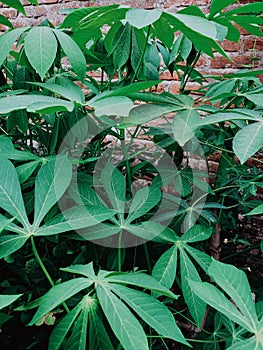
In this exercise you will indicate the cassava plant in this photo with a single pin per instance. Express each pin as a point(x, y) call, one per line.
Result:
point(108, 229)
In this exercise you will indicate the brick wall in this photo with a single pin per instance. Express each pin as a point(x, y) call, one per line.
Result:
point(248, 52)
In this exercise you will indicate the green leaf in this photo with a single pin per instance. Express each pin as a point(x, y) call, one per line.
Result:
point(16, 4)
point(255, 98)
point(33, 103)
point(248, 141)
point(62, 328)
point(212, 296)
point(152, 311)
point(195, 305)
point(204, 260)
point(197, 233)
point(68, 90)
point(256, 7)
point(24, 171)
point(57, 294)
point(7, 40)
point(4, 21)
point(182, 125)
point(122, 52)
point(234, 282)
point(256, 211)
point(76, 218)
point(10, 192)
point(51, 182)
point(143, 201)
point(41, 49)
point(165, 268)
point(164, 32)
point(124, 325)
point(140, 18)
point(147, 112)
point(86, 270)
point(78, 338)
point(4, 222)
point(142, 280)
point(6, 300)
point(218, 5)
point(100, 339)
point(115, 105)
point(11, 243)
point(73, 52)
point(247, 344)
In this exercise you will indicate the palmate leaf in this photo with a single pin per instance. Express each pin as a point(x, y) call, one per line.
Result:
point(123, 323)
point(11, 243)
point(78, 338)
point(59, 293)
point(196, 306)
point(182, 125)
point(197, 233)
point(41, 49)
point(113, 105)
point(247, 344)
point(140, 18)
point(152, 311)
point(248, 141)
point(51, 182)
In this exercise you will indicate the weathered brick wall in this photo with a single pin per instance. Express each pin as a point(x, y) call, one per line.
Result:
point(248, 52)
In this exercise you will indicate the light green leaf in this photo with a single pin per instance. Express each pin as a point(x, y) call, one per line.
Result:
point(140, 18)
point(6, 300)
point(86, 270)
point(234, 282)
point(204, 260)
point(76, 218)
point(148, 230)
point(7, 40)
point(100, 339)
point(248, 141)
point(196, 306)
point(147, 112)
point(11, 243)
point(152, 311)
point(73, 52)
point(182, 125)
point(113, 105)
point(197, 233)
point(255, 98)
point(165, 268)
point(144, 200)
point(24, 171)
point(212, 296)
point(33, 103)
point(62, 328)
point(68, 90)
point(99, 231)
point(257, 211)
point(247, 344)
point(41, 49)
point(10, 192)
point(51, 182)
point(142, 280)
point(59, 293)
point(6, 144)
point(124, 325)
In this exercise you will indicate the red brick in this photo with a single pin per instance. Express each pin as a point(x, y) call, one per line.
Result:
point(230, 45)
point(251, 44)
point(238, 62)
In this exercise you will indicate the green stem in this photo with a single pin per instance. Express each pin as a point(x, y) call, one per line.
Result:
point(142, 55)
point(127, 163)
point(119, 252)
point(43, 268)
point(149, 266)
point(189, 71)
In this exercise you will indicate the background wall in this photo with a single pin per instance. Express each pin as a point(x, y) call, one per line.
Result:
point(248, 52)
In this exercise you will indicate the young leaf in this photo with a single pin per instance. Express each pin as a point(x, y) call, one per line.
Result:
point(123, 323)
point(248, 141)
point(59, 293)
point(41, 49)
point(152, 311)
point(73, 52)
point(195, 305)
point(6, 300)
point(10, 192)
point(51, 182)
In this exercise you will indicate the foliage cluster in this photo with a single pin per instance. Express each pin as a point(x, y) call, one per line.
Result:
point(91, 260)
